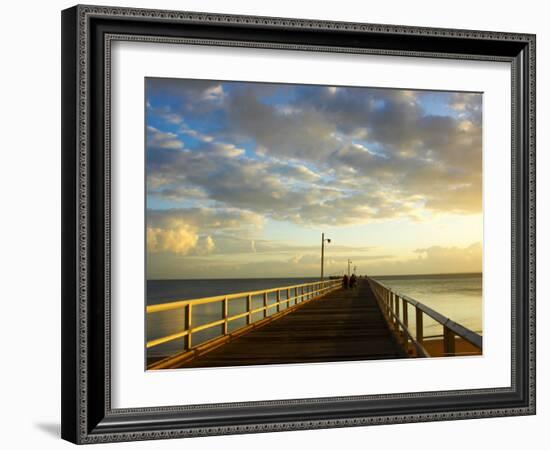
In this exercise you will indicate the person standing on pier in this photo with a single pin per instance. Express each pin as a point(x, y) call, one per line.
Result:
point(345, 282)
point(352, 281)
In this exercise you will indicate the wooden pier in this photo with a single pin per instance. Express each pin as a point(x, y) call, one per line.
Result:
point(315, 322)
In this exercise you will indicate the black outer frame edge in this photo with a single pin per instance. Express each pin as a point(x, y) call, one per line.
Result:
point(97, 407)
point(98, 422)
point(524, 112)
point(319, 37)
point(69, 170)
point(254, 415)
point(520, 158)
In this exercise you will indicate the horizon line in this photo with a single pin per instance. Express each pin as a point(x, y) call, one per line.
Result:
point(328, 276)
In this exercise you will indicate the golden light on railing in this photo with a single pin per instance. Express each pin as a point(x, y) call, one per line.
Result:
point(289, 296)
point(389, 302)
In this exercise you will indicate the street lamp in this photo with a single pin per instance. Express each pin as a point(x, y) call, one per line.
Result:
point(349, 265)
point(323, 254)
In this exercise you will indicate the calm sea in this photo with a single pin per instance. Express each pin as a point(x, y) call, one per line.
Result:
point(458, 296)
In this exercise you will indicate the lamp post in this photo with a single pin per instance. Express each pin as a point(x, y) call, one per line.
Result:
point(349, 266)
point(323, 254)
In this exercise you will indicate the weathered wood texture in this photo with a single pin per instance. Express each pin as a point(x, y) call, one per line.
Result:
point(345, 325)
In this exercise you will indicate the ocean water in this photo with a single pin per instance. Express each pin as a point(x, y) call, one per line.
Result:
point(170, 322)
point(457, 296)
point(161, 291)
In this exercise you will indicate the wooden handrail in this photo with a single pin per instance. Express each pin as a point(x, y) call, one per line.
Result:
point(302, 293)
point(176, 304)
point(385, 295)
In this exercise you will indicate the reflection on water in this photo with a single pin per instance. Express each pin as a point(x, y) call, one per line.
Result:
point(456, 296)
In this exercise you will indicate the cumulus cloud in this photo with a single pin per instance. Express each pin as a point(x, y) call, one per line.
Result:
point(205, 219)
point(291, 192)
point(227, 157)
point(468, 105)
point(213, 93)
point(451, 257)
point(205, 246)
point(324, 153)
point(434, 259)
point(177, 193)
point(193, 95)
point(162, 140)
point(190, 231)
point(186, 129)
point(179, 239)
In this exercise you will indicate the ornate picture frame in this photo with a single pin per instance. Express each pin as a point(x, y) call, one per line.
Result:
point(88, 33)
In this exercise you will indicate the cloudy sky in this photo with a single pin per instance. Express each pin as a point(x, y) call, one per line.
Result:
point(242, 179)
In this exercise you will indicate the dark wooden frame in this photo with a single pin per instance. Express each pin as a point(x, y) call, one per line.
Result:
point(87, 416)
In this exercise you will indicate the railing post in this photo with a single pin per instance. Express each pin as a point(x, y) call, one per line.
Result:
point(249, 309)
point(278, 301)
point(449, 348)
point(225, 315)
point(419, 326)
point(189, 325)
point(288, 298)
point(392, 308)
point(396, 298)
point(295, 295)
point(405, 313)
point(302, 298)
point(265, 304)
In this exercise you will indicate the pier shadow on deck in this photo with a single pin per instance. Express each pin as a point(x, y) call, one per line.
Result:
point(345, 325)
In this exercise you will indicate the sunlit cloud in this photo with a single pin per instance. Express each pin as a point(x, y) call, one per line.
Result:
point(163, 140)
point(435, 259)
point(307, 156)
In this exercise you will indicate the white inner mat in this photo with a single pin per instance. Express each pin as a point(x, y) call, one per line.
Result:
point(132, 386)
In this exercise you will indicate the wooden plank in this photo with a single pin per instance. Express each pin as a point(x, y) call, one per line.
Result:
point(344, 325)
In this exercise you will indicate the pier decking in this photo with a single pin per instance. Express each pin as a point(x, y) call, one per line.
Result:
point(314, 322)
point(346, 324)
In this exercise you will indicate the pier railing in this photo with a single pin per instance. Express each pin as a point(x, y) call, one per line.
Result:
point(287, 299)
point(394, 306)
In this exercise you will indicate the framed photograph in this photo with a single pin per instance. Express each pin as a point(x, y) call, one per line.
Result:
point(280, 224)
